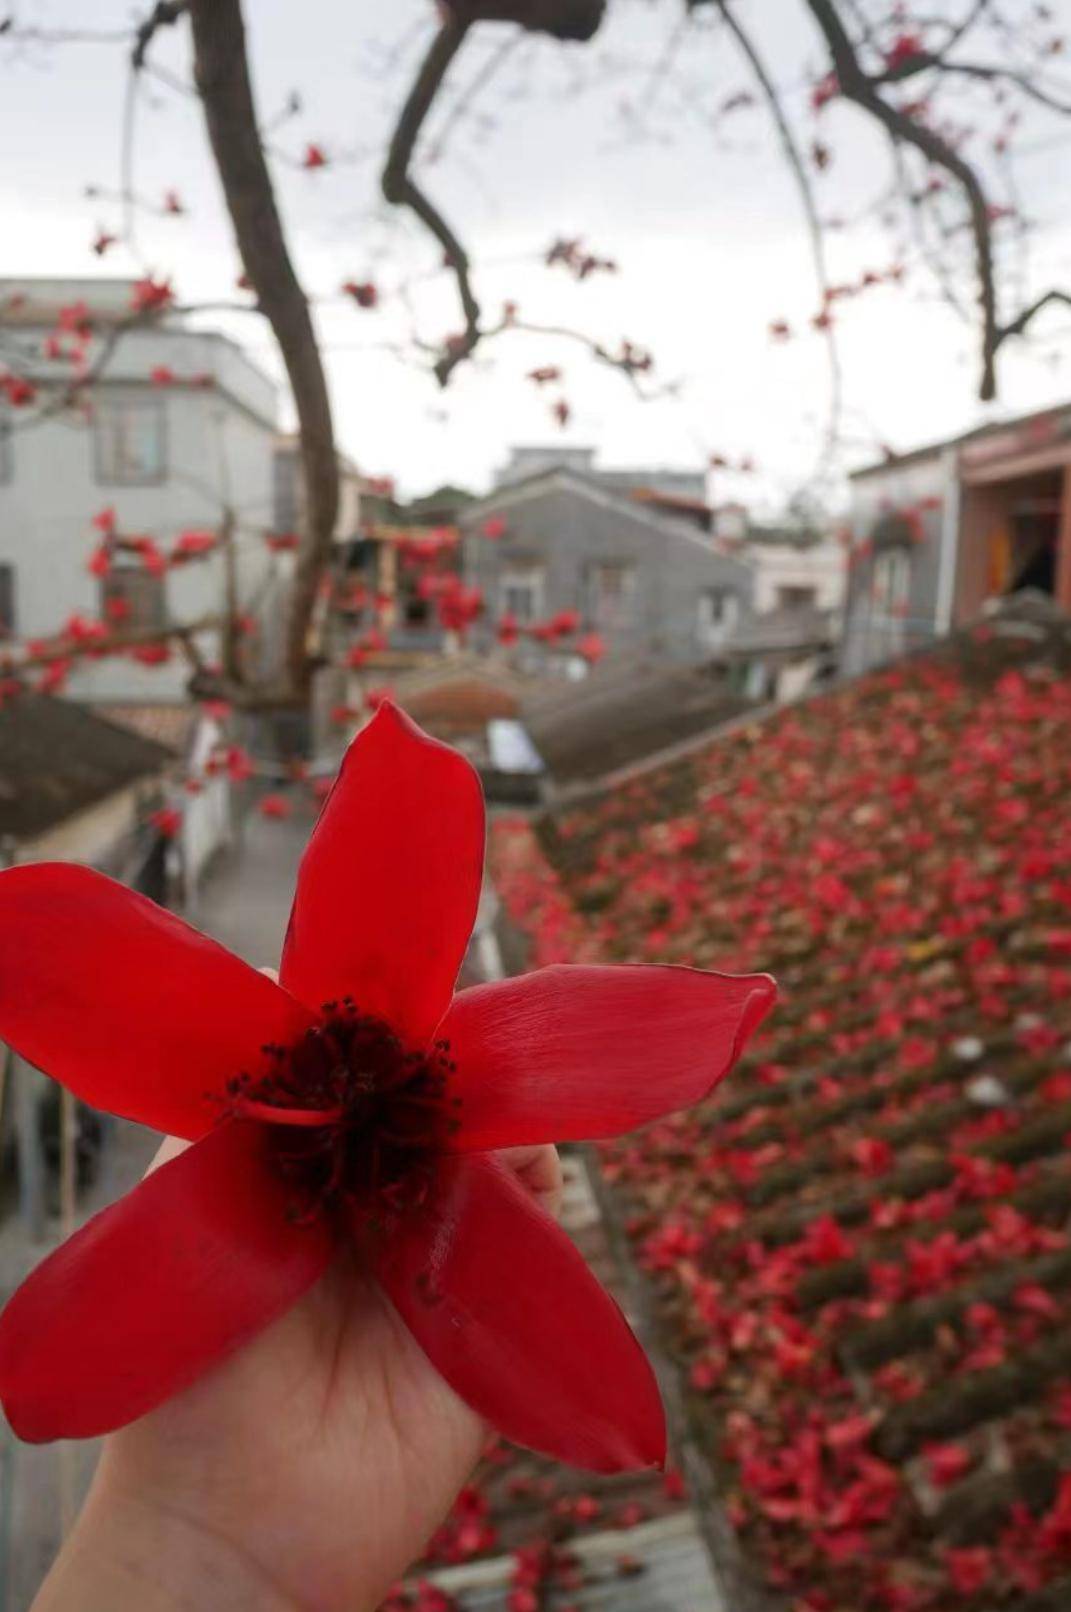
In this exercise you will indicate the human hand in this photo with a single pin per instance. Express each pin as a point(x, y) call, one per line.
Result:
point(303, 1474)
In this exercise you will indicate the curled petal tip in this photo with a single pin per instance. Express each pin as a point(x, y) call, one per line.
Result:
point(759, 1002)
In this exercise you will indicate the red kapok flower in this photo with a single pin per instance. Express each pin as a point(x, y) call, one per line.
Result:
point(354, 1105)
point(167, 821)
point(275, 806)
point(592, 647)
point(365, 293)
point(151, 296)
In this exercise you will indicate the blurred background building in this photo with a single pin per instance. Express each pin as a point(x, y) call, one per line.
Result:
point(179, 429)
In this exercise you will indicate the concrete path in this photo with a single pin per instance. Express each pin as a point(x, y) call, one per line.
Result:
point(245, 903)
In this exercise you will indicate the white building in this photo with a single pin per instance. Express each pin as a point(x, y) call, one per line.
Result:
point(180, 425)
point(795, 568)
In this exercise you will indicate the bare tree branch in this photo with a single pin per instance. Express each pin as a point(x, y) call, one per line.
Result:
point(563, 19)
point(401, 190)
point(163, 15)
point(61, 647)
point(798, 168)
point(631, 362)
point(927, 60)
point(1018, 325)
point(856, 85)
point(221, 72)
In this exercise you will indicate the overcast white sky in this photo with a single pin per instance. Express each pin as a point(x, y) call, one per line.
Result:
point(703, 220)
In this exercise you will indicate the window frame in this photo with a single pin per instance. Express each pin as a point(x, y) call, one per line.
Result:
point(714, 629)
point(7, 448)
point(891, 585)
point(523, 576)
point(110, 475)
point(604, 619)
point(810, 602)
point(9, 578)
point(154, 586)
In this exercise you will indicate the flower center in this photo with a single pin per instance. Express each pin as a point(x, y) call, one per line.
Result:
point(355, 1117)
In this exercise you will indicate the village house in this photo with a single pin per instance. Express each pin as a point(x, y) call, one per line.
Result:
point(797, 565)
point(939, 535)
point(571, 542)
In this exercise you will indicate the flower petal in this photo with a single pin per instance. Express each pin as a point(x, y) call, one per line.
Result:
point(389, 885)
point(574, 1053)
point(507, 1311)
point(155, 1290)
point(124, 1003)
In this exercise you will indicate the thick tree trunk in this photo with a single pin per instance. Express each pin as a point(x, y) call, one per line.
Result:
point(564, 19)
point(221, 71)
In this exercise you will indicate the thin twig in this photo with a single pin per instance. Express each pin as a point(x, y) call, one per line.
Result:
point(815, 232)
point(401, 190)
point(857, 86)
point(1019, 324)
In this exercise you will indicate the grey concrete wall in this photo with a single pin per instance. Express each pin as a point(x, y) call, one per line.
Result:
point(567, 534)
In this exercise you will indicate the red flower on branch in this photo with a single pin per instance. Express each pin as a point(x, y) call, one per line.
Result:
point(167, 821)
point(191, 545)
point(365, 293)
point(18, 390)
point(277, 806)
point(905, 48)
point(354, 1106)
point(151, 296)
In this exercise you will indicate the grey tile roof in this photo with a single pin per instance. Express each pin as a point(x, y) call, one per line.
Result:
point(57, 758)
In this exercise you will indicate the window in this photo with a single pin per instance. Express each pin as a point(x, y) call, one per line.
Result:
point(612, 589)
point(287, 513)
point(130, 596)
point(718, 611)
point(522, 594)
point(796, 597)
point(128, 441)
point(7, 599)
point(889, 603)
point(892, 582)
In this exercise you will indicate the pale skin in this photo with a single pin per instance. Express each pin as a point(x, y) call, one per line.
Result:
point(304, 1474)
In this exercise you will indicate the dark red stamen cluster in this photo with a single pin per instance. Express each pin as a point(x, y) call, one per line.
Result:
point(356, 1118)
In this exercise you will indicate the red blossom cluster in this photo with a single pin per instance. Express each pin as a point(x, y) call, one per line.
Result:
point(574, 256)
point(151, 296)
